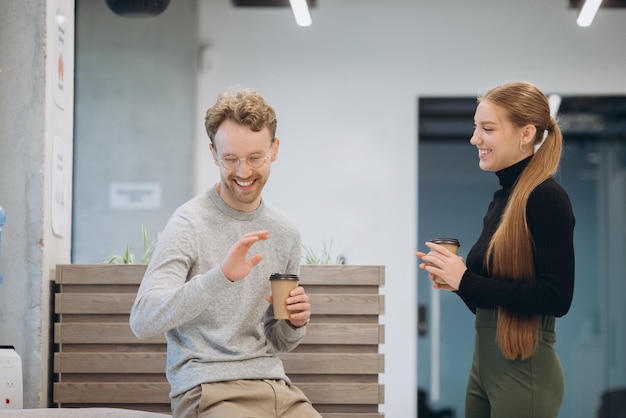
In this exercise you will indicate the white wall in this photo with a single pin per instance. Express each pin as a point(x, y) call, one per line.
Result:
point(346, 89)
point(135, 101)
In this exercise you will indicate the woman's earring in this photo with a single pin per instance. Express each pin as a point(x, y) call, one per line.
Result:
point(522, 148)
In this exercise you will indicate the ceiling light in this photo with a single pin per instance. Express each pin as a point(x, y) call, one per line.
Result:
point(588, 12)
point(301, 12)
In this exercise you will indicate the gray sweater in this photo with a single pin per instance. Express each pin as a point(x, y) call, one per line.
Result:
point(217, 330)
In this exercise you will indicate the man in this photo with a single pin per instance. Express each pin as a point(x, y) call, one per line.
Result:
point(210, 298)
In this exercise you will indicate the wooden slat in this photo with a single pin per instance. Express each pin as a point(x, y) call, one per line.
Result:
point(121, 303)
point(132, 274)
point(93, 303)
point(99, 333)
point(96, 410)
point(341, 304)
point(120, 333)
point(333, 363)
point(363, 334)
point(107, 362)
point(154, 392)
point(154, 362)
point(342, 275)
point(343, 393)
point(118, 392)
point(96, 274)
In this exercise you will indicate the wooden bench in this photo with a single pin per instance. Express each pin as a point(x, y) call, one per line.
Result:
point(98, 362)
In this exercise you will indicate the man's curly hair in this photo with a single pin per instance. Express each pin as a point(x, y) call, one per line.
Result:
point(245, 107)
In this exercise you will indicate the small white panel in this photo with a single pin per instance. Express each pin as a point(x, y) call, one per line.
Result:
point(11, 391)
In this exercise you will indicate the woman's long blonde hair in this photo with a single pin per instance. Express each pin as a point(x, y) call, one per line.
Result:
point(510, 252)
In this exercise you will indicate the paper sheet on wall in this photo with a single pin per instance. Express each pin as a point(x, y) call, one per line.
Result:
point(60, 92)
point(60, 187)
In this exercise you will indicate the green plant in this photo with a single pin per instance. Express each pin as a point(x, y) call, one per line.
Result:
point(310, 256)
point(128, 257)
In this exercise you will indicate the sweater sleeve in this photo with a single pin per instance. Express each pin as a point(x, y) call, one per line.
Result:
point(551, 223)
point(166, 297)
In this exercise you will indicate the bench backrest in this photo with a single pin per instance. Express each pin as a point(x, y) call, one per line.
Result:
point(98, 361)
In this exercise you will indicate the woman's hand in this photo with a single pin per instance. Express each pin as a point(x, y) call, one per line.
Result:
point(443, 263)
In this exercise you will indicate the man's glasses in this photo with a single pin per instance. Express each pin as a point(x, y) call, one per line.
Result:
point(230, 162)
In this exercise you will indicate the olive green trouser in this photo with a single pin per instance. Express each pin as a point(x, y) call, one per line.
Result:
point(501, 388)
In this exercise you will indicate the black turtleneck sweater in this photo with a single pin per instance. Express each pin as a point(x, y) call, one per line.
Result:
point(551, 223)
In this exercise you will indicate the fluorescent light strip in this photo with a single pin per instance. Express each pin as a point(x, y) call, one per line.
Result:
point(588, 12)
point(301, 12)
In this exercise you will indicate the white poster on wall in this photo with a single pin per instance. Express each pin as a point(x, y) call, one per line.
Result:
point(60, 55)
point(60, 187)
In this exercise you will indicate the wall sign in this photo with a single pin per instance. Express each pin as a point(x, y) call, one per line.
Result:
point(60, 55)
point(135, 195)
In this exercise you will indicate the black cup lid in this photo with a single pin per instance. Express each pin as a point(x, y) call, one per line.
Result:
point(452, 241)
point(281, 276)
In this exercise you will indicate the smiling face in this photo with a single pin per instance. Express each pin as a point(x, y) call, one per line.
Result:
point(500, 144)
point(240, 188)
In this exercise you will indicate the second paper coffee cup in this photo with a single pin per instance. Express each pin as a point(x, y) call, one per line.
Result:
point(282, 284)
point(451, 244)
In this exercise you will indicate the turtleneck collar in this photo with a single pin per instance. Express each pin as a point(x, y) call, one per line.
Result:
point(508, 176)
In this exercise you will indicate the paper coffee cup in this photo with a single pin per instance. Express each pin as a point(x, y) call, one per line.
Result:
point(451, 244)
point(282, 284)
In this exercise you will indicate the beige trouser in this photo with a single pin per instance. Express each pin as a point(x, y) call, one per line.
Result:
point(244, 399)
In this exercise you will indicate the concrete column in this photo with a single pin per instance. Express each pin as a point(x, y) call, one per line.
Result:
point(36, 145)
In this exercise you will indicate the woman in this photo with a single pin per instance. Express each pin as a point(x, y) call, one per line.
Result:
point(519, 275)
